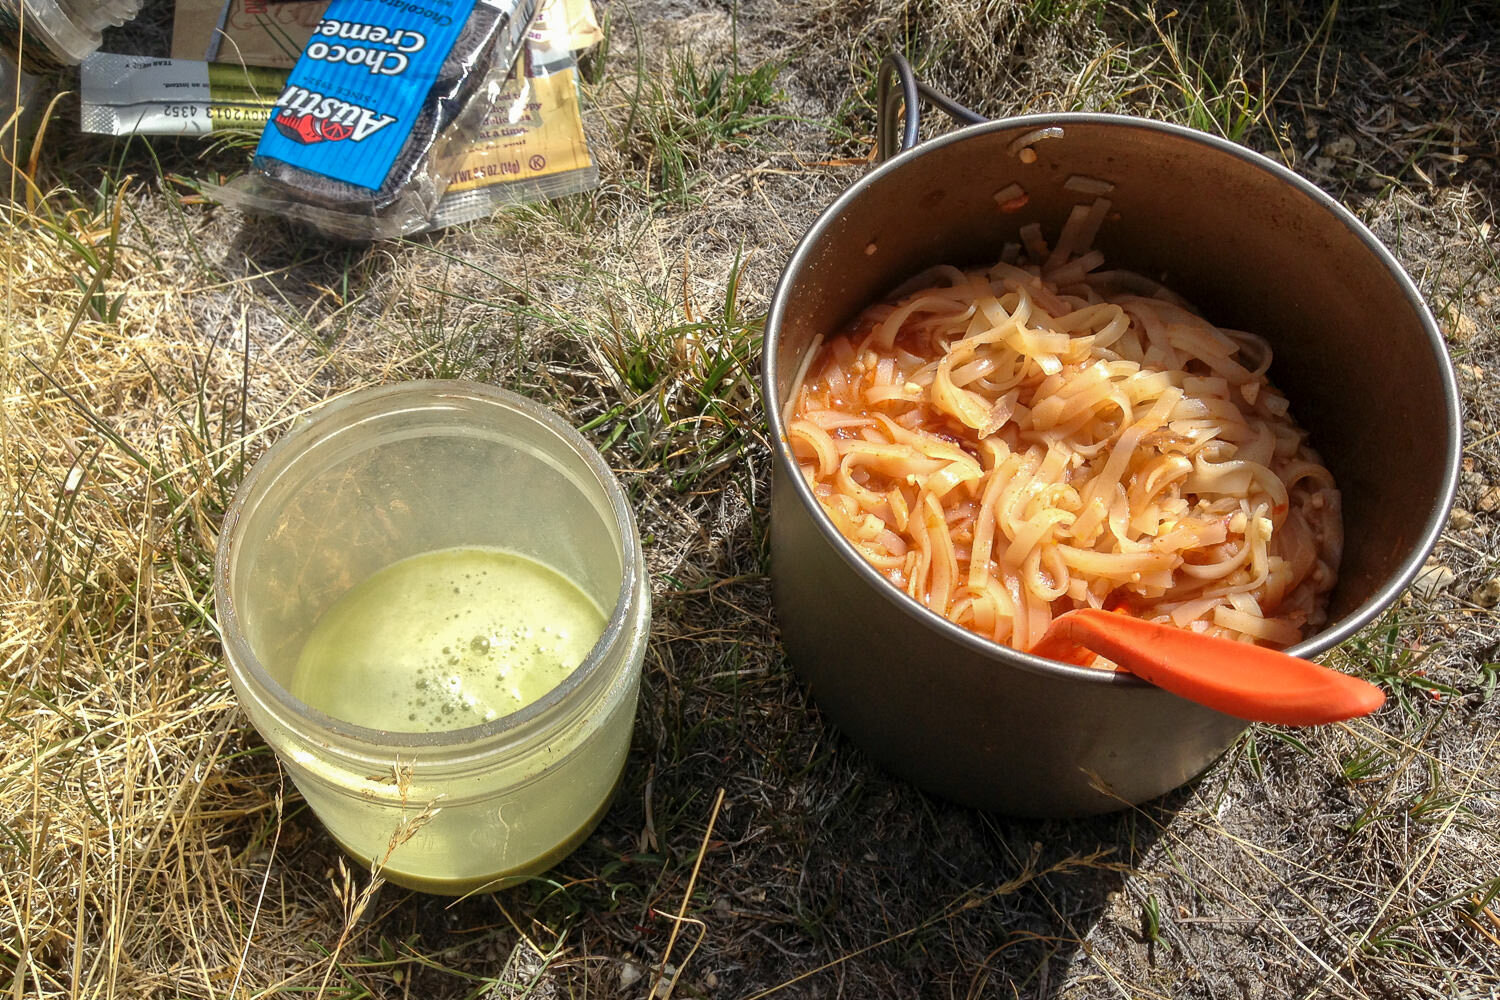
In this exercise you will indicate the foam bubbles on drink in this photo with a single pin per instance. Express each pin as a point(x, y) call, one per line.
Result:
point(446, 640)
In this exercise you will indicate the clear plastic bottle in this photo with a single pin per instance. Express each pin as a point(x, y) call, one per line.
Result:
point(44, 33)
point(16, 90)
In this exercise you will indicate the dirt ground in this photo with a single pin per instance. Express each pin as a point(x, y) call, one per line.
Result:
point(150, 844)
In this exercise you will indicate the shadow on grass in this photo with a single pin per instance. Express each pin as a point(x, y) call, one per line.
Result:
point(867, 888)
point(818, 875)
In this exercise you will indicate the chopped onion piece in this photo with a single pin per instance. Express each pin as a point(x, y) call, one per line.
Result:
point(1087, 185)
point(1009, 193)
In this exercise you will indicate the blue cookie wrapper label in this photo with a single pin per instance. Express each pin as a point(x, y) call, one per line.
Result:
point(359, 86)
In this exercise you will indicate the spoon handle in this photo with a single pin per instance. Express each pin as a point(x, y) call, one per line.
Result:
point(1236, 678)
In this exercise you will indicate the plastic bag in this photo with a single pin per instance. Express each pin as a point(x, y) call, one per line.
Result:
point(381, 89)
point(530, 146)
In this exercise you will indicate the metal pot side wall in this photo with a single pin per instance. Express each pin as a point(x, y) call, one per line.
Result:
point(966, 725)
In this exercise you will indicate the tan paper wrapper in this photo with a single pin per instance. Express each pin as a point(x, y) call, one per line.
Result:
point(530, 146)
point(541, 134)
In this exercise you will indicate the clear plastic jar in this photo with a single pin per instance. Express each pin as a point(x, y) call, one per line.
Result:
point(16, 90)
point(68, 29)
point(389, 473)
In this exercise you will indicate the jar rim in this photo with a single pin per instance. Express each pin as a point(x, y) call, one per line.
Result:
point(372, 403)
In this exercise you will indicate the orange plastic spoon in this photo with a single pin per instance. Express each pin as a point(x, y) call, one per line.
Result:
point(1248, 682)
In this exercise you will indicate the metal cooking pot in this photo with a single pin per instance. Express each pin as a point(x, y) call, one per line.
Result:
point(1252, 245)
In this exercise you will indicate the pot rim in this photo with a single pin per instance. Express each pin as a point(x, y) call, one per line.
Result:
point(785, 464)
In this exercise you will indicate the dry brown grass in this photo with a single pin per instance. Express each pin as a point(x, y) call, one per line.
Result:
point(149, 843)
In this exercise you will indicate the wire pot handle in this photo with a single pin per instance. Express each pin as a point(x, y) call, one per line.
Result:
point(894, 68)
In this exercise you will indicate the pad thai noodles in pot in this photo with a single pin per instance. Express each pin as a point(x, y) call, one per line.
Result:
point(1010, 443)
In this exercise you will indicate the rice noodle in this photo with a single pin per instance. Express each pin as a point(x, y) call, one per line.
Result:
point(1036, 135)
point(1009, 444)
